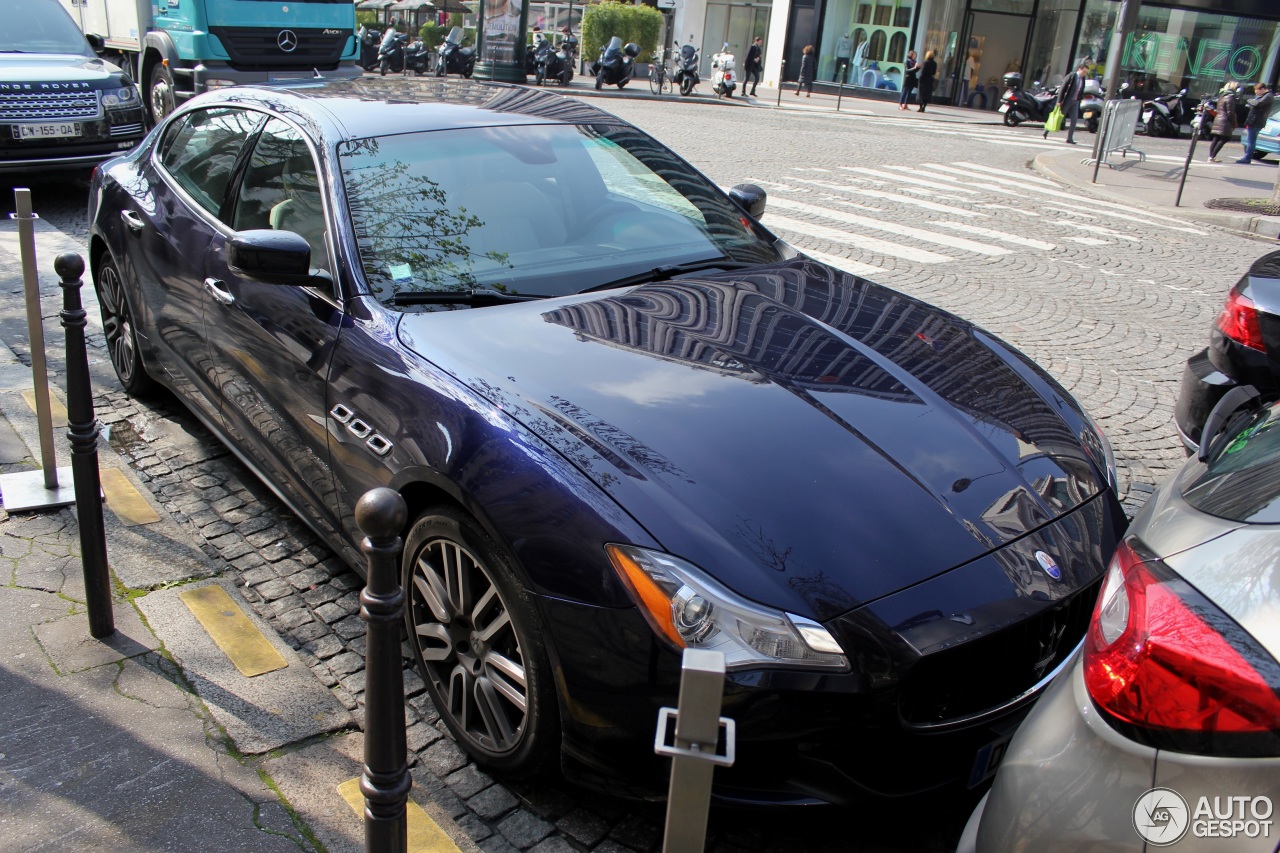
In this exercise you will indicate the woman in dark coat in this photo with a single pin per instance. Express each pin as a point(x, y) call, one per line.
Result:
point(1224, 123)
point(928, 72)
point(910, 70)
point(807, 70)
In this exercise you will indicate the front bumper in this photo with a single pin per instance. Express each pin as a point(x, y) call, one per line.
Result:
point(100, 139)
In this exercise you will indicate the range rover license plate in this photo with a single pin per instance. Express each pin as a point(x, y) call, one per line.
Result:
point(54, 130)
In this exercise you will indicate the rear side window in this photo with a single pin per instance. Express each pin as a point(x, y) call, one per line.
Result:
point(1241, 479)
point(200, 152)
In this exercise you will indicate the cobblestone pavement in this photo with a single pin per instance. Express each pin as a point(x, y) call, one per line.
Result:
point(1109, 299)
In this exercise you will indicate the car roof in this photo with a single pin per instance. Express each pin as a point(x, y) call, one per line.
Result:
point(364, 107)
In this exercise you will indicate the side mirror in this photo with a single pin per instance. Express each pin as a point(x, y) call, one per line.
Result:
point(272, 257)
point(95, 41)
point(750, 198)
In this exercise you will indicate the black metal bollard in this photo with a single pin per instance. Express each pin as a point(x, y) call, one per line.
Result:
point(381, 514)
point(781, 70)
point(82, 432)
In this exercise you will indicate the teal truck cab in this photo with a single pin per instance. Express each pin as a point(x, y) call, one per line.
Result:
point(174, 49)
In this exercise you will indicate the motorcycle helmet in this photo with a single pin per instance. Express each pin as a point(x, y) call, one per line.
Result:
point(631, 49)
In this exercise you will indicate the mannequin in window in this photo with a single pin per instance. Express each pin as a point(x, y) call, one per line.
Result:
point(844, 49)
point(859, 59)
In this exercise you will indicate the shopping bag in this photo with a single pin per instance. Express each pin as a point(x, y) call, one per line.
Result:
point(1054, 122)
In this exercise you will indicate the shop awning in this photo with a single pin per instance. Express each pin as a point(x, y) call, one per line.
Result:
point(410, 5)
point(375, 5)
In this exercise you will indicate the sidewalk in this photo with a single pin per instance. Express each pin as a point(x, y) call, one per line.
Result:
point(155, 738)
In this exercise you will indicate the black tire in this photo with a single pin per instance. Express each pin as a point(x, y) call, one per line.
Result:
point(1092, 125)
point(1012, 119)
point(539, 75)
point(600, 79)
point(623, 82)
point(565, 76)
point(383, 66)
point(118, 325)
point(160, 96)
point(467, 72)
point(686, 85)
point(655, 81)
point(440, 68)
point(476, 636)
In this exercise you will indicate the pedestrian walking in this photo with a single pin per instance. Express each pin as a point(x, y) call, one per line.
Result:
point(928, 74)
point(807, 68)
point(910, 72)
point(1259, 112)
point(1224, 123)
point(754, 66)
point(1069, 100)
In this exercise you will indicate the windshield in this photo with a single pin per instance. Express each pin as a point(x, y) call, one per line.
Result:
point(40, 26)
point(540, 210)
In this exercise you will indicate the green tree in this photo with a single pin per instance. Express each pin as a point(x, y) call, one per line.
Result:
point(603, 21)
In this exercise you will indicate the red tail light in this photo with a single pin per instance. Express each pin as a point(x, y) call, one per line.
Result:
point(1239, 321)
point(1171, 670)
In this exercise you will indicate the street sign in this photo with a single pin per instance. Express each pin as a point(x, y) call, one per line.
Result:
point(666, 4)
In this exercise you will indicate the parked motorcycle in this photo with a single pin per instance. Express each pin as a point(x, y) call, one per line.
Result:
point(1092, 104)
point(453, 58)
point(616, 64)
point(551, 64)
point(391, 52)
point(417, 58)
point(686, 76)
point(723, 79)
point(369, 41)
point(1018, 105)
point(1165, 115)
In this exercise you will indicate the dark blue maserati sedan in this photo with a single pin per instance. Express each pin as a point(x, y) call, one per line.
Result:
point(627, 420)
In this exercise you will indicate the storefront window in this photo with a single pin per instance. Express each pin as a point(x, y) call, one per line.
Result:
point(1172, 49)
point(864, 42)
point(1051, 56)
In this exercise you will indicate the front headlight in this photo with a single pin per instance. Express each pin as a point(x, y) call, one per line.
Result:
point(126, 97)
point(217, 83)
point(687, 609)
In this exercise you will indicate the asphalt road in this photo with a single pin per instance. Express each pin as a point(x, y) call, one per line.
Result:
point(1110, 300)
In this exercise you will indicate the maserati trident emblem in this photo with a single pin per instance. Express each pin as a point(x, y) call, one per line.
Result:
point(287, 40)
point(1049, 648)
point(1048, 564)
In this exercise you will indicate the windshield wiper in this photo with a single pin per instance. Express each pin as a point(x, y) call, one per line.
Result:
point(472, 298)
point(669, 271)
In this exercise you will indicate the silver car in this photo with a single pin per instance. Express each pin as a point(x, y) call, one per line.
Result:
point(1165, 728)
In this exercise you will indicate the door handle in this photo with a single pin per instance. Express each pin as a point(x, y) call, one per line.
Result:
point(215, 288)
point(132, 221)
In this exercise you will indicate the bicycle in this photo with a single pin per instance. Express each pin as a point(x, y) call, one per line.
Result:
point(659, 79)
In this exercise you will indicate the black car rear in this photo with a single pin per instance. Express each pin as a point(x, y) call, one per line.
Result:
point(1244, 349)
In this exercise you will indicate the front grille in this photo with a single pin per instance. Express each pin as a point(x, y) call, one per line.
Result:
point(258, 48)
point(126, 129)
point(960, 683)
point(44, 106)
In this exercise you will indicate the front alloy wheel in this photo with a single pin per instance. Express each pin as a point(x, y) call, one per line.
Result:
point(477, 643)
point(117, 324)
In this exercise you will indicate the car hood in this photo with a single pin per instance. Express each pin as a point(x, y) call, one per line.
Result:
point(53, 68)
point(813, 440)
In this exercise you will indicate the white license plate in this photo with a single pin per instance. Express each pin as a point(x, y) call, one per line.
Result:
point(1004, 108)
point(55, 130)
point(988, 759)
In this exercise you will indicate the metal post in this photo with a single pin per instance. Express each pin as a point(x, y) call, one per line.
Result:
point(781, 73)
point(697, 732)
point(1186, 167)
point(82, 432)
point(1126, 23)
point(840, 92)
point(35, 328)
point(381, 515)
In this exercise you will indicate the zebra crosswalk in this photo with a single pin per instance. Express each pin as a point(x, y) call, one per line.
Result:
point(856, 218)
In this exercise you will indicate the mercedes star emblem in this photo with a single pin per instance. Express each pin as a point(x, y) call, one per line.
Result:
point(288, 40)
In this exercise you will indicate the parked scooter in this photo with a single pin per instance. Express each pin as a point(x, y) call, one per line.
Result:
point(616, 64)
point(1092, 104)
point(723, 80)
point(369, 41)
point(1019, 105)
point(453, 58)
point(1165, 115)
point(417, 58)
point(686, 76)
point(552, 64)
point(391, 52)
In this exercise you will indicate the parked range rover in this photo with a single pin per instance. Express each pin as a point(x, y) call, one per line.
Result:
point(60, 105)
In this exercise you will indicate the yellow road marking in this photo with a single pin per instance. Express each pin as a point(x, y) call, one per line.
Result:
point(238, 638)
point(124, 500)
point(57, 411)
point(425, 835)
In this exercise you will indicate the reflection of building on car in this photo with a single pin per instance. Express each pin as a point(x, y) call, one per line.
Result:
point(627, 420)
point(1269, 137)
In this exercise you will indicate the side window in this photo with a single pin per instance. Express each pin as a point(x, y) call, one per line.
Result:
point(281, 189)
point(200, 152)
